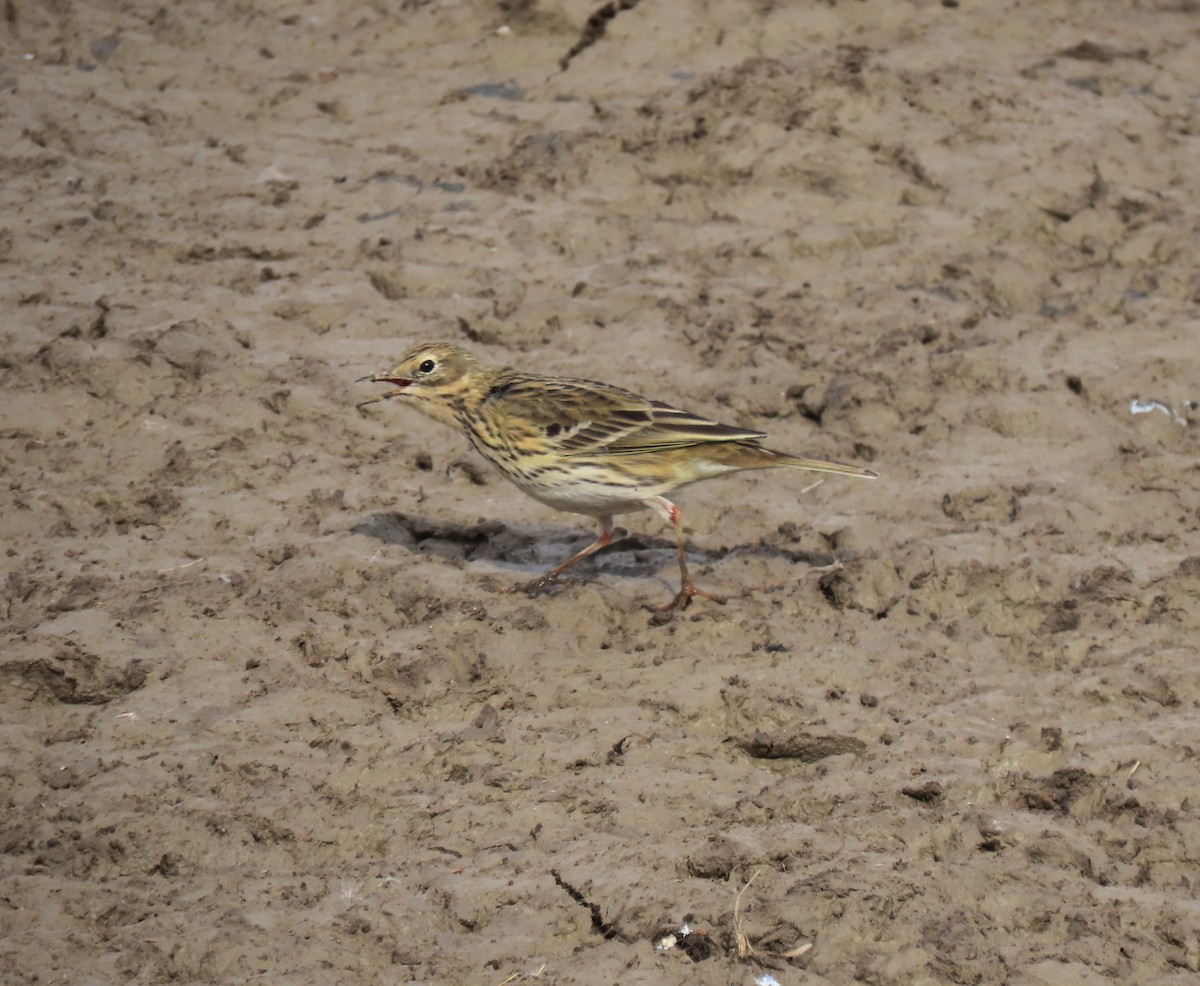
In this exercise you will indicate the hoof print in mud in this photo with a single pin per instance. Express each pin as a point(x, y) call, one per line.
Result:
point(856, 586)
point(802, 746)
point(74, 678)
point(1059, 792)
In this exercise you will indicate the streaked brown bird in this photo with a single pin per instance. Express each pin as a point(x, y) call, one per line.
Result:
point(582, 446)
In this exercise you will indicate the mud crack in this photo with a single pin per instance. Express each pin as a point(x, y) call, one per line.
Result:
point(595, 28)
point(599, 925)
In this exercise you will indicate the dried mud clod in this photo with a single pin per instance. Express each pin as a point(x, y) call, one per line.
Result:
point(929, 793)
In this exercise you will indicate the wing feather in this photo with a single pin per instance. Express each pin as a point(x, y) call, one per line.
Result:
point(580, 417)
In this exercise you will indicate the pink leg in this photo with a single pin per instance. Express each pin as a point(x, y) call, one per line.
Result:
point(543, 582)
point(669, 512)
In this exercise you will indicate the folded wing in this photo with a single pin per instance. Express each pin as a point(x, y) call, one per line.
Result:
point(581, 417)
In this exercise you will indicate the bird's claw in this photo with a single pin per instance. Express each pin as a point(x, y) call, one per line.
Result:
point(683, 599)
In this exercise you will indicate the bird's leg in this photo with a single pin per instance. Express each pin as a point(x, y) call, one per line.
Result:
point(543, 582)
point(687, 588)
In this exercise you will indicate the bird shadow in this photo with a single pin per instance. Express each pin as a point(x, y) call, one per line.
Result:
point(535, 549)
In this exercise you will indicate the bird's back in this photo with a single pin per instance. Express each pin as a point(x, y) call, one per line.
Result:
point(593, 448)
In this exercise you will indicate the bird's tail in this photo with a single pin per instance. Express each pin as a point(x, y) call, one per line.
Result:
point(771, 458)
point(723, 457)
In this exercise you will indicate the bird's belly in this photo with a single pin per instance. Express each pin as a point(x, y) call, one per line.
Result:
point(581, 494)
point(609, 484)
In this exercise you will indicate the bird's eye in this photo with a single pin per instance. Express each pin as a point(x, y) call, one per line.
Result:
point(428, 366)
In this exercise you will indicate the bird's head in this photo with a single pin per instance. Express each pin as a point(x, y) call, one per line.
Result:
point(433, 374)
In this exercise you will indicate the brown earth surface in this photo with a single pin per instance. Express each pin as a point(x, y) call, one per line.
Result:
point(266, 716)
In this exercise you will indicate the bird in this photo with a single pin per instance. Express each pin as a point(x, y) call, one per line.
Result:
point(582, 446)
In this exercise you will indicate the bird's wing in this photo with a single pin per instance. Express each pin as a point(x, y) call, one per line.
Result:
point(578, 417)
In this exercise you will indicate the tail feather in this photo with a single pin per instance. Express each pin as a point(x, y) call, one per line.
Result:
point(769, 458)
point(717, 458)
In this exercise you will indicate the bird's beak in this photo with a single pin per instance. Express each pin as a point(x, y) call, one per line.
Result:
point(384, 376)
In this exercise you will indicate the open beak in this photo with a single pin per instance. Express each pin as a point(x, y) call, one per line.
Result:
point(384, 376)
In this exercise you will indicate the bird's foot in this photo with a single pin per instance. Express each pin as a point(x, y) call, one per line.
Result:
point(684, 597)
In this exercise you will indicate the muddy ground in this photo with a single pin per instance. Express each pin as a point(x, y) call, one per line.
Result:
point(264, 714)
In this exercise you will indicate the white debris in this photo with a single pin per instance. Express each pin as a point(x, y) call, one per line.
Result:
point(671, 940)
point(1138, 406)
